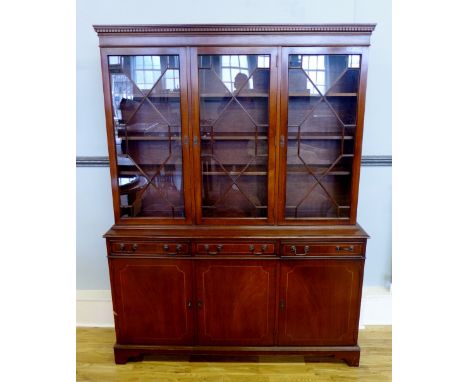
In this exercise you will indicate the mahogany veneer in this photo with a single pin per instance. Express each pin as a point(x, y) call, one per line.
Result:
point(234, 156)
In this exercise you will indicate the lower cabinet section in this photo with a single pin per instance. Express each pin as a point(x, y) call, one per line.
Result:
point(319, 302)
point(242, 305)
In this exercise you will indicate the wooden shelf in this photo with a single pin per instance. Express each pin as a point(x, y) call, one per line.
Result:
point(204, 125)
point(318, 169)
point(148, 138)
point(306, 94)
point(233, 137)
point(318, 136)
point(134, 172)
point(166, 95)
point(243, 95)
point(293, 207)
point(215, 207)
point(247, 173)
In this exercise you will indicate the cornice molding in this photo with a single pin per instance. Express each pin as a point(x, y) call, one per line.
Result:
point(367, 160)
point(234, 28)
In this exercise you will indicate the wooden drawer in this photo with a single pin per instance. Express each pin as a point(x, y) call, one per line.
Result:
point(244, 248)
point(154, 248)
point(317, 249)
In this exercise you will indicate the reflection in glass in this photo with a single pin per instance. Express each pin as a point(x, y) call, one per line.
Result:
point(233, 92)
point(322, 111)
point(147, 125)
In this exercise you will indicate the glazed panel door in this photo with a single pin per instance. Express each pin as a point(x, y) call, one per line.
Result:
point(319, 302)
point(322, 108)
point(147, 115)
point(236, 301)
point(234, 120)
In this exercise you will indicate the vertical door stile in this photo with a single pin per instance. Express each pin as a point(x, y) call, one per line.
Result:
point(195, 134)
point(185, 110)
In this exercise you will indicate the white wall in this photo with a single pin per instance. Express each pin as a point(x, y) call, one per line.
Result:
point(94, 204)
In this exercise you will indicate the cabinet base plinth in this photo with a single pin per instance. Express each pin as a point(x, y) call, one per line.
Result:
point(348, 354)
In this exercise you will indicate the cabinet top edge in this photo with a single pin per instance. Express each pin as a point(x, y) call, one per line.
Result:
point(238, 232)
point(233, 28)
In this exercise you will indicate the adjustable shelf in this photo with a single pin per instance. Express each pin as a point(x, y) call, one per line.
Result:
point(306, 94)
point(243, 95)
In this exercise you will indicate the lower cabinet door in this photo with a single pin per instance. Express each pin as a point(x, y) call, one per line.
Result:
point(152, 301)
point(236, 302)
point(319, 302)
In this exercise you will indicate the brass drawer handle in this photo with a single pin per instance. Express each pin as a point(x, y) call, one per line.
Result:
point(306, 250)
point(263, 248)
point(177, 252)
point(134, 247)
point(349, 249)
point(219, 247)
point(122, 246)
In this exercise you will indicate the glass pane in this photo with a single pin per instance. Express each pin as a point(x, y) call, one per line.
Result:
point(322, 108)
point(234, 123)
point(147, 124)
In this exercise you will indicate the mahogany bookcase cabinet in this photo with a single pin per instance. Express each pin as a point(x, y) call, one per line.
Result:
point(234, 155)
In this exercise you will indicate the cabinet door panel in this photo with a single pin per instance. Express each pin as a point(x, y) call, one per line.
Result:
point(320, 302)
point(322, 107)
point(236, 302)
point(147, 112)
point(234, 95)
point(152, 301)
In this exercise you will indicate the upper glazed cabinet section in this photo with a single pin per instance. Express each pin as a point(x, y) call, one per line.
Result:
point(244, 124)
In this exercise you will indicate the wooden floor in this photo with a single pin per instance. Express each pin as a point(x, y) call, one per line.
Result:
point(95, 362)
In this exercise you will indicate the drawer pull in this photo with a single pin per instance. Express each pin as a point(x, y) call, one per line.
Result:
point(294, 250)
point(122, 246)
point(262, 249)
point(219, 247)
point(134, 247)
point(178, 249)
point(349, 249)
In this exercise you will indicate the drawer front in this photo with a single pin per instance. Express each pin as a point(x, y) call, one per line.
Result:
point(244, 248)
point(317, 249)
point(153, 248)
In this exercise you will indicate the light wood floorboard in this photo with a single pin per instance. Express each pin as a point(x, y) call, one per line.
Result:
point(95, 362)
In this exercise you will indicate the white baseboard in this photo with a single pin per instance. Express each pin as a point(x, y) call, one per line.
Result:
point(94, 307)
point(376, 306)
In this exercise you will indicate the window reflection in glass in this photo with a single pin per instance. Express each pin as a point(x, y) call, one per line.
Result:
point(233, 65)
point(314, 66)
